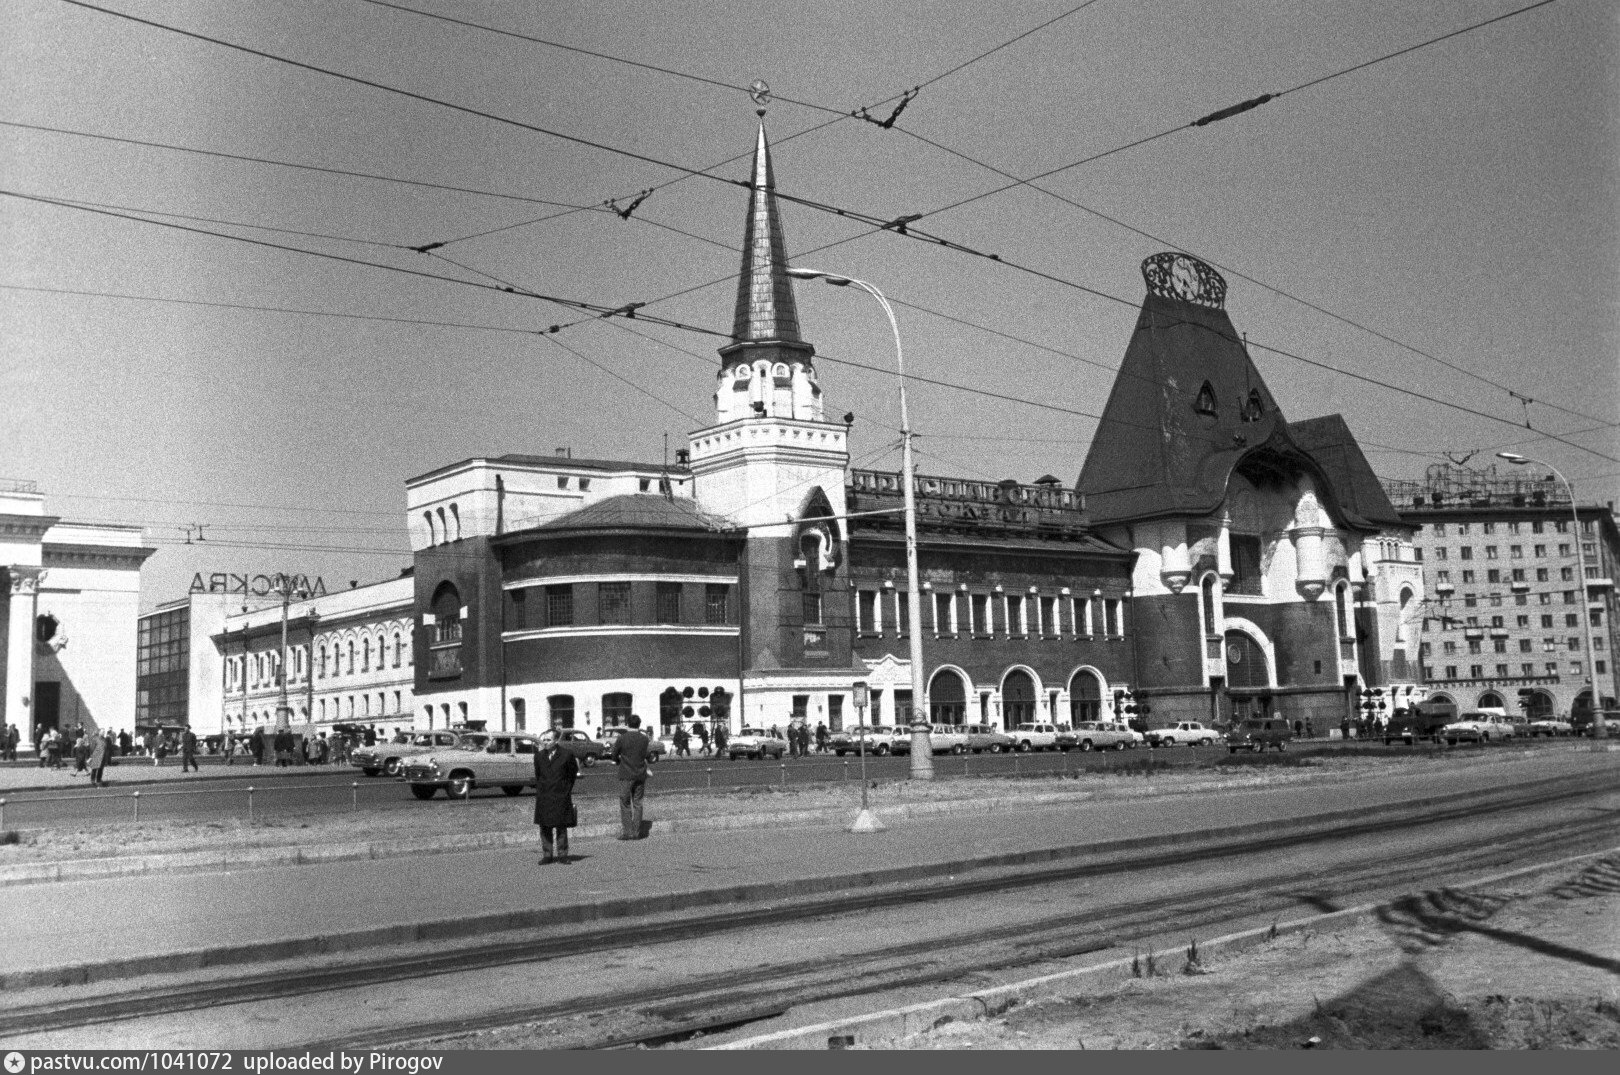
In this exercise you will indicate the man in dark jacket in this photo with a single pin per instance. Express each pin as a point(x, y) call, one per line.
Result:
point(555, 770)
point(256, 742)
point(720, 737)
point(188, 751)
point(629, 753)
point(283, 745)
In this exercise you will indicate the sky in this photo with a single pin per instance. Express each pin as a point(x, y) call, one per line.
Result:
point(1420, 244)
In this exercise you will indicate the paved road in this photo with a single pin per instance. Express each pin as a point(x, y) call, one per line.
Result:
point(221, 791)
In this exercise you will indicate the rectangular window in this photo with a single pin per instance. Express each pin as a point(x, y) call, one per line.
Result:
point(1569, 597)
point(1016, 625)
point(1440, 529)
point(669, 602)
point(866, 613)
point(1476, 671)
point(1451, 671)
point(944, 614)
point(1518, 574)
point(1465, 553)
point(1572, 620)
point(1575, 644)
point(1528, 668)
point(1499, 645)
point(1490, 528)
point(1049, 617)
point(1246, 577)
point(613, 602)
point(902, 613)
point(1502, 670)
point(1521, 599)
point(1541, 574)
point(559, 606)
point(1496, 600)
point(981, 614)
point(1546, 621)
point(1116, 617)
point(1524, 645)
point(1417, 553)
point(1515, 552)
point(1449, 646)
point(1442, 576)
point(1473, 645)
point(1543, 598)
point(1552, 666)
point(1440, 554)
point(1468, 576)
point(1490, 552)
point(811, 604)
point(1537, 528)
point(1602, 668)
point(1496, 621)
point(1462, 528)
point(1522, 621)
point(1493, 575)
point(1563, 526)
point(1549, 645)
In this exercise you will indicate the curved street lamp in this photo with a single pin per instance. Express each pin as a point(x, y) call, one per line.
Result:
point(922, 753)
point(1599, 730)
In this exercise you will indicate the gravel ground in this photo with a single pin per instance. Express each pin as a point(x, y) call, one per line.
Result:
point(1534, 967)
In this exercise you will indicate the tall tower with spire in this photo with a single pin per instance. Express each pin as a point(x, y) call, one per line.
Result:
point(770, 445)
point(774, 466)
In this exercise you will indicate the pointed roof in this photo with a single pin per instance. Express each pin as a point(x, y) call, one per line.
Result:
point(765, 310)
point(1189, 405)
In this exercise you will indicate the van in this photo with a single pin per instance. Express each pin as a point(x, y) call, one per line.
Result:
point(1258, 734)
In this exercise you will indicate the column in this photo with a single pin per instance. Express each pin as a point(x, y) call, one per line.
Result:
point(20, 649)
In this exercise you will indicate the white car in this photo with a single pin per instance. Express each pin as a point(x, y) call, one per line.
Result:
point(755, 743)
point(1102, 735)
point(1027, 737)
point(1478, 727)
point(1190, 732)
point(504, 761)
point(1550, 727)
point(942, 739)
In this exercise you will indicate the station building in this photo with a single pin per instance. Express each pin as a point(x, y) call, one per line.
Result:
point(1508, 611)
point(1214, 560)
point(68, 608)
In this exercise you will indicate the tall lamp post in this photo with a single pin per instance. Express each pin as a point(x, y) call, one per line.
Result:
point(288, 589)
point(1599, 730)
point(922, 754)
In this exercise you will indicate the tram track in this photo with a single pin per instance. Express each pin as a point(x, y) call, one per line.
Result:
point(891, 966)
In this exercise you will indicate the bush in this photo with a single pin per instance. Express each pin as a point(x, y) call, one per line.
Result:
point(10, 836)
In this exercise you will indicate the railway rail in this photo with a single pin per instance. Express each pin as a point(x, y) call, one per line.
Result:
point(705, 1004)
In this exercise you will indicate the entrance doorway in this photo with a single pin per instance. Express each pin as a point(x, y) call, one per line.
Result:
point(1017, 700)
point(47, 706)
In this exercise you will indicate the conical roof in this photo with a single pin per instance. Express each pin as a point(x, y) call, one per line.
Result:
point(765, 310)
point(1189, 405)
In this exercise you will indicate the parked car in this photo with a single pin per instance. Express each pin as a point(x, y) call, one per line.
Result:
point(755, 743)
point(1102, 735)
point(1258, 734)
point(1190, 732)
point(982, 737)
point(387, 757)
point(1550, 727)
point(505, 761)
point(880, 739)
point(1027, 737)
point(942, 739)
point(1479, 726)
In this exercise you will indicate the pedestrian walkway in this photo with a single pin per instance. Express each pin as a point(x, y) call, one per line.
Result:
point(314, 908)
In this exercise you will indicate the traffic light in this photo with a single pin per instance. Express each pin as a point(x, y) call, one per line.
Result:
point(1526, 698)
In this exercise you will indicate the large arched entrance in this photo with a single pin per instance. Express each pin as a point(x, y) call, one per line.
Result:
point(1491, 700)
point(947, 698)
point(1248, 679)
point(1017, 699)
point(1085, 696)
point(1538, 705)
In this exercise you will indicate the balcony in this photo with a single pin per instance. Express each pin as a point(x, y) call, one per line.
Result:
point(1444, 588)
point(1521, 586)
point(1499, 632)
point(1472, 633)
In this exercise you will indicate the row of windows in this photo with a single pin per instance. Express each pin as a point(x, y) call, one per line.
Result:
point(1477, 671)
point(331, 660)
point(1517, 574)
point(614, 604)
point(1560, 525)
point(982, 614)
point(1515, 552)
point(1571, 619)
point(1526, 645)
point(360, 706)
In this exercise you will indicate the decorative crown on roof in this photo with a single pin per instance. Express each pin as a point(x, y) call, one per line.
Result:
point(1180, 276)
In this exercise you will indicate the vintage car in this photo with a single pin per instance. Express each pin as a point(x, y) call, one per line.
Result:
point(879, 739)
point(656, 747)
point(505, 761)
point(1190, 732)
point(1479, 726)
point(1101, 735)
point(1550, 727)
point(942, 739)
point(1027, 737)
point(755, 743)
point(1425, 720)
point(1257, 734)
point(982, 737)
point(387, 757)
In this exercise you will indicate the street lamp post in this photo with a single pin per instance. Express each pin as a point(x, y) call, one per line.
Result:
point(1599, 729)
point(922, 754)
point(285, 586)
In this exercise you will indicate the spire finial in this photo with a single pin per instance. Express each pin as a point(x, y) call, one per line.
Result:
point(765, 308)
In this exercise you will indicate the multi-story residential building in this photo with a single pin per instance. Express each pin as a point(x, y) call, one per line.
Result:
point(1507, 609)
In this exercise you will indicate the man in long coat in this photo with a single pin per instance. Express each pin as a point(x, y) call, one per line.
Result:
point(555, 771)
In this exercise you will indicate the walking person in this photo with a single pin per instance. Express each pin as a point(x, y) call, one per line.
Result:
point(12, 739)
point(630, 753)
point(188, 751)
point(99, 757)
point(228, 748)
point(124, 743)
point(683, 741)
point(703, 739)
point(720, 737)
point(822, 735)
point(256, 744)
point(555, 771)
point(283, 746)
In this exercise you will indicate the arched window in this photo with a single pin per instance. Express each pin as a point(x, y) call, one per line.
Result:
point(399, 649)
point(1400, 623)
point(1341, 609)
point(323, 661)
point(1491, 700)
point(365, 655)
point(1245, 662)
point(947, 698)
point(1017, 699)
point(669, 707)
point(1085, 696)
point(561, 709)
point(1211, 627)
point(1205, 403)
point(616, 709)
point(446, 613)
point(520, 719)
point(351, 656)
